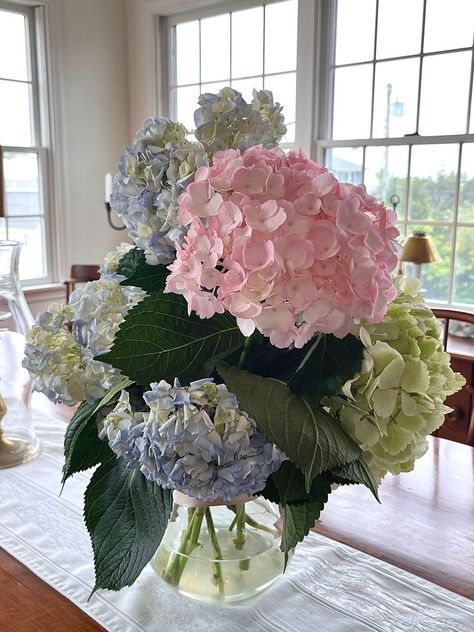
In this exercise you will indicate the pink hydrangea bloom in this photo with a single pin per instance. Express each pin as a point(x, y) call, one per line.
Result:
point(283, 246)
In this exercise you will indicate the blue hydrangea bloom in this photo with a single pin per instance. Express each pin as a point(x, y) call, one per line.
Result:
point(225, 120)
point(195, 439)
point(151, 175)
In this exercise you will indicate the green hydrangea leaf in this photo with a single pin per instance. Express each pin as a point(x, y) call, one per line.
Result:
point(328, 364)
point(299, 517)
point(356, 472)
point(126, 516)
point(140, 274)
point(82, 447)
point(159, 340)
point(307, 434)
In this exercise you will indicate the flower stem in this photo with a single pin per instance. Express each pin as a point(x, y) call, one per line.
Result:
point(177, 562)
point(239, 539)
point(251, 523)
point(216, 566)
point(244, 352)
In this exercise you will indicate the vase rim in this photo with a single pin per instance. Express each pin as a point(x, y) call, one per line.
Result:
point(189, 501)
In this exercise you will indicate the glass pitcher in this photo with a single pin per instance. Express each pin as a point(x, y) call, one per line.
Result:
point(18, 442)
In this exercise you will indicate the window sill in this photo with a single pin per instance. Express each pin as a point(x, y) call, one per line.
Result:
point(46, 293)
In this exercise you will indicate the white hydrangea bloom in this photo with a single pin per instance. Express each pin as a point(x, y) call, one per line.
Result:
point(111, 260)
point(120, 418)
point(60, 348)
point(396, 399)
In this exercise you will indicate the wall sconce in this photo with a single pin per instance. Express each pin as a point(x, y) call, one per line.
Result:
point(418, 249)
point(108, 208)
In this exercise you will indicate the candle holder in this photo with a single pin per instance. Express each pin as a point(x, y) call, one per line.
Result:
point(108, 209)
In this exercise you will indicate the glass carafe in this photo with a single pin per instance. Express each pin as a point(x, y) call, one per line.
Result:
point(18, 442)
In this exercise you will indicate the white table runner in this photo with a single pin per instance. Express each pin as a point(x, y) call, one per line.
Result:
point(328, 587)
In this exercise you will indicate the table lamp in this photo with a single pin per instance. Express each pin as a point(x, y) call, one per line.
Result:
point(418, 249)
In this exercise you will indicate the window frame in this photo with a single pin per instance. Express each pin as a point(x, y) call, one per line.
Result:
point(169, 13)
point(40, 117)
point(316, 41)
point(323, 141)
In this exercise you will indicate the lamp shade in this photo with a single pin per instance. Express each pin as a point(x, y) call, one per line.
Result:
point(418, 248)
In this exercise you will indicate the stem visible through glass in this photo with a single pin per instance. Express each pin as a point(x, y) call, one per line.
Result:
point(216, 566)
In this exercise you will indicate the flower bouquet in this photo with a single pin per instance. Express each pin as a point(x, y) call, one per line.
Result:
point(251, 351)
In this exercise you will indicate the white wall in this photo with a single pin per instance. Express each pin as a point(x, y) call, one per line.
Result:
point(142, 67)
point(91, 85)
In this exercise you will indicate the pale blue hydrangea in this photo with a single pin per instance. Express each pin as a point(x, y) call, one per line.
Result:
point(151, 176)
point(225, 120)
point(60, 347)
point(195, 440)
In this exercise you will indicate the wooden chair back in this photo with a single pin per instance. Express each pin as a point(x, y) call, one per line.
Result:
point(81, 273)
point(452, 314)
point(462, 402)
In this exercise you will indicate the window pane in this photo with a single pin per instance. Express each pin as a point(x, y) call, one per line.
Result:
point(15, 121)
point(396, 96)
point(13, 46)
point(281, 22)
point(215, 48)
point(444, 94)
point(247, 42)
point(385, 175)
point(345, 163)
point(29, 232)
point(3, 228)
point(284, 91)
point(448, 24)
point(464, 266)
point(289, 137)
point(399, 27)
point(352, 102)
point(22, 184)
point(246, 86)
point(433, 182)
point(435, 276)
point(213, 87)
point(466, 185)
point(187, 52)
point(351, 43)
point(186, 100)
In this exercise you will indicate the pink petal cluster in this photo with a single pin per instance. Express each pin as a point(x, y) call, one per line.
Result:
point(277, 241)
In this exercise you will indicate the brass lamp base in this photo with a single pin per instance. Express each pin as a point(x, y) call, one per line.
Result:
point(15, 451)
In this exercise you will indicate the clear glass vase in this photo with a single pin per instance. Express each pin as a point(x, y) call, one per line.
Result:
point(220, 552)
point(18, 442)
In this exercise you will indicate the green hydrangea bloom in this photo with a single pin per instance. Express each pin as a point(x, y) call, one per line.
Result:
point(396, 399)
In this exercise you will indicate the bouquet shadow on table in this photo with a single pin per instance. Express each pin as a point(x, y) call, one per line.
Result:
point(251, 348)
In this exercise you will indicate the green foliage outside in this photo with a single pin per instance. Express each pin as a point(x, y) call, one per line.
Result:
point(434, 199)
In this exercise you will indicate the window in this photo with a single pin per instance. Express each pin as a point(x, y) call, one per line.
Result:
point(399, 116)
point(21, 138)
point(250, 48)
point(384, 87)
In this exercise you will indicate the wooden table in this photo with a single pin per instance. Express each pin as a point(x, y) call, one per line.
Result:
point(424, 525)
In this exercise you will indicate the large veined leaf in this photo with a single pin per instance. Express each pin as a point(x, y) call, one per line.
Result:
point(268, 361)
point(329, 363)
point(299, 517)
point(159, 340)
point(308, 435)
point(356, 472)
point(82, 447)
point(126, 516)
point(139, 273)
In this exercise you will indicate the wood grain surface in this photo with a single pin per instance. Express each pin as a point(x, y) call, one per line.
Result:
point(424, 525)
